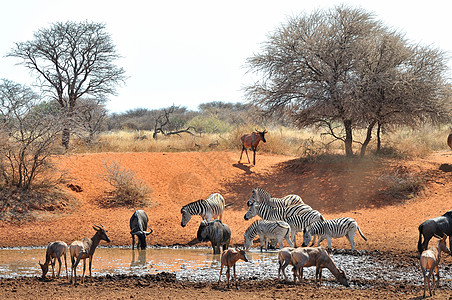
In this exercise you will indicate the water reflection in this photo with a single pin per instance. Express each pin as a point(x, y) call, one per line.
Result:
point(139, 262)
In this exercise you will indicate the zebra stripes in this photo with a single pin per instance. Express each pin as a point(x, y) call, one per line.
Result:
point(334, 228)
point(267, 230)
point(300, 222)
point(267, 212)
point(262, 196)
point(208, 209)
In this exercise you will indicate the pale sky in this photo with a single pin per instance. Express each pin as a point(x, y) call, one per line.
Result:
point(188, 52)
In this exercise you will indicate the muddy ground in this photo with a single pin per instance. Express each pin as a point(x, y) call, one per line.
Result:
point(336, 188)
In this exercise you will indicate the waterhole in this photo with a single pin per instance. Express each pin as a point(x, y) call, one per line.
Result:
point(200, 265)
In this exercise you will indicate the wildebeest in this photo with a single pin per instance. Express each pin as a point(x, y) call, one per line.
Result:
point(252, 141)
point(449, 139)
point(216, 232)
point(436, 226)
point(138, 226)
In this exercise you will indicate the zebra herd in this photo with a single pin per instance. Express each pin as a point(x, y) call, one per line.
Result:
point(282, 218)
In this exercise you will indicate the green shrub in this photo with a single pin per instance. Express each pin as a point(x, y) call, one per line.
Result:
point(209, 124)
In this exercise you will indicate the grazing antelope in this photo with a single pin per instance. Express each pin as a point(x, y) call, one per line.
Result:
point(318, 257)
point(85, 249)
point(228, 259)
point(54, 251)
point(252, 141)
point(430, 260)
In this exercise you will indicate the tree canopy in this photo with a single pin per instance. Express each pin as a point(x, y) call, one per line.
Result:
point(72, 60)
point(343, 69)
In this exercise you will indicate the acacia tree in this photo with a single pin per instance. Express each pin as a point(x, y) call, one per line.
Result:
point(72, 60)
point(334, 68)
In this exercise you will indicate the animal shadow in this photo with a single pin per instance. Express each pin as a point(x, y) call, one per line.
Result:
point(246, 168)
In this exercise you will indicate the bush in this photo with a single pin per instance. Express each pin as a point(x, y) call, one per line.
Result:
point(403, 183)
point(127, 190)
point(209, 124)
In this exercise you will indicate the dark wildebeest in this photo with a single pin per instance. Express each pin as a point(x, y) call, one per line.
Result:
point(436, 226)
point(251, 141)
point(138, 226)
point(216, 232)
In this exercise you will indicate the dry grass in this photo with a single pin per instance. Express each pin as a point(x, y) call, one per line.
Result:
point(402, 143)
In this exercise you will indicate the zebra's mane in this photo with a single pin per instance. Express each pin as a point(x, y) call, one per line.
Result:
point(190, 206)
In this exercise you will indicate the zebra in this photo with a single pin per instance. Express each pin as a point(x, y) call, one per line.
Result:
point(334, 228)
point(208, 209)
point(299, 222)
point(267, 230)
point(267, 212)
point(262, 196)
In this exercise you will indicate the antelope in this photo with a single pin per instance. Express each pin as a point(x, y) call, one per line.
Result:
point(228, 259)
point(430, 260)
point(54, 251)
point(252, 141)
point(318, 257)
point(284, 259)
point(85, 249)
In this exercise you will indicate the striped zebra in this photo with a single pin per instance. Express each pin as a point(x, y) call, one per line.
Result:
point(262, 196)
point(267, 230)
point(208, 209)
point(267, 212)
point(299, 222)
point(334, 228)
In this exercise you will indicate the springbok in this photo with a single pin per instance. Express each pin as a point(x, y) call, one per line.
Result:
point(252, 141)
point(85, 249)
point(228, 259)
point(54, 251)
point(430, 260)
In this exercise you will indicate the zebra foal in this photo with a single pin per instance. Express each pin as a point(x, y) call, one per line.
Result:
point(334, 228)
point(267, 230)
point(262, 196)
point(208, 209)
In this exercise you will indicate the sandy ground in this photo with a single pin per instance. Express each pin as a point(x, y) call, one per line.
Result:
point(335, 189)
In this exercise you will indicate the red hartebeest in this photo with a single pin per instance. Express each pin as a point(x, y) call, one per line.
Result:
point(251, 141)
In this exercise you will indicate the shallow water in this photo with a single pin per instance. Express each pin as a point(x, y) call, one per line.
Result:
point(200, 265)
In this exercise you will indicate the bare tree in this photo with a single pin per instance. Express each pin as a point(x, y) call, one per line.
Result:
point(343, 70)
point(162, 122)
point(72, 60)
point(28, 132)
point(90, 119)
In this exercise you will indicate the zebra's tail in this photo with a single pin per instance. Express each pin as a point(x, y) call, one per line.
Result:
point(362, 235)
point(419, 243)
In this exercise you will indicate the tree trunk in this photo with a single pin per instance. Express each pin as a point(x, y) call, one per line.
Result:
point(66, 135)
point(378, 137)
point(368, 138)
point(348, 138)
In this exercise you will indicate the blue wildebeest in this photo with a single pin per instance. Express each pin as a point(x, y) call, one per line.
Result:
point(138, 226)
point(216, 232)
point(436, 226)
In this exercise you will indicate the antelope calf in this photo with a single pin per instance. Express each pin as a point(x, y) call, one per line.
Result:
point(430, 260)
point(54, 251)
point(85, 249)
point(252, 141)
point(228, 259)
